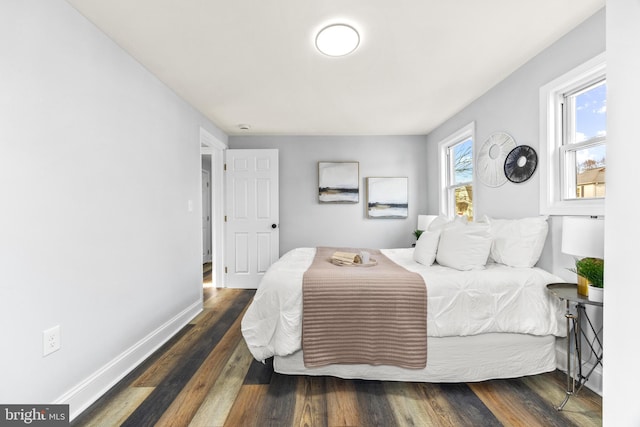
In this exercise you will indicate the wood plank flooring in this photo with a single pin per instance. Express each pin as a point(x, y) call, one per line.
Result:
point(205, 376)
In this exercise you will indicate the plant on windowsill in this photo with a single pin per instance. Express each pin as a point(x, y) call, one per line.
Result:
point(592, 269)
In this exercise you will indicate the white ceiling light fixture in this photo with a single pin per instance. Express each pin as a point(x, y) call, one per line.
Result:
point(337, 40)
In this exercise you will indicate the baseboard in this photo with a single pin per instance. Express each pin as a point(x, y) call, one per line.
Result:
point(91, 389)
point(595, 380)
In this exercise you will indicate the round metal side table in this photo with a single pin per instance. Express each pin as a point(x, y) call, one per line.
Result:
point(568, 292)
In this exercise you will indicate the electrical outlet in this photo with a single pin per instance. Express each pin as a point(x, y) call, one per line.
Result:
point(51, 340)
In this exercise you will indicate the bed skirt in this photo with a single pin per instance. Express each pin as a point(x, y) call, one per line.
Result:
point(450, 359)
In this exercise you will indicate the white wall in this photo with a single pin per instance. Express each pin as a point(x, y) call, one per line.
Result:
point(512, 106)
point(622, 233)
point(98, 160)
point(305, 222)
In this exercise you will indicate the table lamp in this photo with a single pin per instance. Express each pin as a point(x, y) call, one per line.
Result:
point(583, 237)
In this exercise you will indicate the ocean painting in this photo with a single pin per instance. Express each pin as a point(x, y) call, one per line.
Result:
point(338, 182)
point(387, 197)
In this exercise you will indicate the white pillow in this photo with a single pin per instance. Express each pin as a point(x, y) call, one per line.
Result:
point(464, 247)
point(442, 221)
point(426, 247)
point(518, 242)
point(438, 223)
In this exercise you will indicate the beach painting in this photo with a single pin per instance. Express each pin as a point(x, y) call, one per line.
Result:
point(338, 182)
point(387, 197)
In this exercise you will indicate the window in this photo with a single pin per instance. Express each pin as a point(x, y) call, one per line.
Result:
point(583, 151)
point(456, 173)
point(573, 151)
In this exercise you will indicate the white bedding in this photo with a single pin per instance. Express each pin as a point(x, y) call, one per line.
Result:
point(459, 303)
point(451, 359)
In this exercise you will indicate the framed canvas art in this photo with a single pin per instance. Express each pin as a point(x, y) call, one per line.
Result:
point(338, 182)
point(387, 197)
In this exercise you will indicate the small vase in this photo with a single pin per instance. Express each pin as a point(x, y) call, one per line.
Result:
point(596, 294)
point(583, 286)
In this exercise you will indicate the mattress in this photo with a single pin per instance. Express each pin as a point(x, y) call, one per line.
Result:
point(498, 299)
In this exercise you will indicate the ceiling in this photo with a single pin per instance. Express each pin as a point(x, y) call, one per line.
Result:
point(254, 61)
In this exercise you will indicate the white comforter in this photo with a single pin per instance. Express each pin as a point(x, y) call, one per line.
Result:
point(459, 303)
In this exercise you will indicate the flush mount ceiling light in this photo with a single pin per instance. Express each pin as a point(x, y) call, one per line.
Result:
point(337, 40)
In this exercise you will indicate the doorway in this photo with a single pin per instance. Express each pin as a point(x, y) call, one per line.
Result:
point(212, 153)
point(207, 266)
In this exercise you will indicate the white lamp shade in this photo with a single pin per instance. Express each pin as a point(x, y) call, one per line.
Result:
point(583, 237)
point(425, 220)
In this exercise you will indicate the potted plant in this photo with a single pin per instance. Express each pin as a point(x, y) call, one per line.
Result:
point(592, 269)
point(417, 234)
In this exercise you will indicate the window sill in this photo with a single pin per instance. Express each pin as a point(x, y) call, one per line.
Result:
point(594, 207)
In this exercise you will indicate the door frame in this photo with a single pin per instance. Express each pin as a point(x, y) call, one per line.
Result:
point(210, 145)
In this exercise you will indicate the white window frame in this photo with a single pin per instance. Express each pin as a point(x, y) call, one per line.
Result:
point(446, 208)
point(553, 175)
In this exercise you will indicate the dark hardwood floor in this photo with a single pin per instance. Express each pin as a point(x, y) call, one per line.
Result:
point(205, 376)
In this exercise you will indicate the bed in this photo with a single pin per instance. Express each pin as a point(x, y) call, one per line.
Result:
point(497, 321)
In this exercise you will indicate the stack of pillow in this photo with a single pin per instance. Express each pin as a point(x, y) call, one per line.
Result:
point(467, 245)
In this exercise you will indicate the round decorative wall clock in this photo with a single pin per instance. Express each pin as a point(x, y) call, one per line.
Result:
point(491, 158)
point(520, 164)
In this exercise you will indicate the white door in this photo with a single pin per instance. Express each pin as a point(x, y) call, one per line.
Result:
point(206, 217)
point(252, 233)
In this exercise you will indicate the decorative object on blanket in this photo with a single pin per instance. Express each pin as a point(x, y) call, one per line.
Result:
point(373, 316)
point(360, 259)
point(491, 157)
point(520, 164)
point(387, 197)
point(584, 237)
point(346, 257)
point(338, 182)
